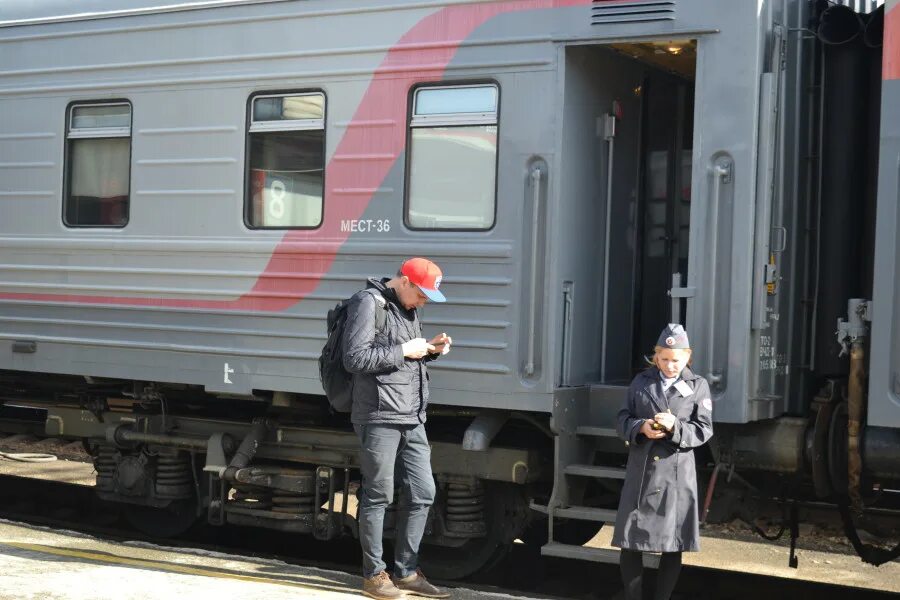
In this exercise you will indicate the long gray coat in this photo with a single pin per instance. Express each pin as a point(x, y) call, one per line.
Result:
point(658, 506)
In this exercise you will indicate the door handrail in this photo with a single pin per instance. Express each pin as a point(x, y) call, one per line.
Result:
point(532, 308)
point(722, 173)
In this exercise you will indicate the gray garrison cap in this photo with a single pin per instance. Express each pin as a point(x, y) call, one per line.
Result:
point(673, 336)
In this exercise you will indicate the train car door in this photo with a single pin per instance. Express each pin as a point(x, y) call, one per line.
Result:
point(663, 206)
point(693, 156)
point(626, 183)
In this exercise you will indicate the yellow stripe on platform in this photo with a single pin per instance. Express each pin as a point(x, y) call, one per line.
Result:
point(104, 557)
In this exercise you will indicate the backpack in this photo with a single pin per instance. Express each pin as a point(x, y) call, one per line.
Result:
point(334, 377)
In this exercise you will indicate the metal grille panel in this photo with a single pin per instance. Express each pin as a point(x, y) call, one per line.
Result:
point(605, 12)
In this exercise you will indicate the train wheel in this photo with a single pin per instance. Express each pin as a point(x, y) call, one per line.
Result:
point(170, 521)
point(505, 512)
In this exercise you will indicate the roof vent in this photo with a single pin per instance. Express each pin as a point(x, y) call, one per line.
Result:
point(605, 12)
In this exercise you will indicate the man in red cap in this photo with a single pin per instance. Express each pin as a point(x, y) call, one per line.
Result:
point(390, 397)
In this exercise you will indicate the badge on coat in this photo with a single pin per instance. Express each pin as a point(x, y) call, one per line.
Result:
point(683, 388)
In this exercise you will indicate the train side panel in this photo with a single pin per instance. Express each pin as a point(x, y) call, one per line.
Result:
point(884, 378)
point(185, 277)
point(186, 293)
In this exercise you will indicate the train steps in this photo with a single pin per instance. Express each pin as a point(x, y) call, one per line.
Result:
point(603, 555)
point(588, 430)
point(595, 471)
point(584, 422)
point(582, 513)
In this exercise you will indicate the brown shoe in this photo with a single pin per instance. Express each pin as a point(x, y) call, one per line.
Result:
point(381, 587)
point(417, 584)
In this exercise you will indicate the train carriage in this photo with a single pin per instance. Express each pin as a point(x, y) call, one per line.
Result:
point(187, 188)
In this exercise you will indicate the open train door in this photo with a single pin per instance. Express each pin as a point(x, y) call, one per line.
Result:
point(707, 240)
point(675, 204)
point(628, 127)
point(668, 174)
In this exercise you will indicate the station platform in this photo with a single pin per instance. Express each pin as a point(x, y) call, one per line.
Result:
point(44, 564)
point(42, 561)
point(723, 549)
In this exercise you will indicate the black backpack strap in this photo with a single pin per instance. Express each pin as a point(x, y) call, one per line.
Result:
point(380, 309)
point(380, 316)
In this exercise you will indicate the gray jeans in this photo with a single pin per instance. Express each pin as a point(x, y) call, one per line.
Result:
point(386, 449)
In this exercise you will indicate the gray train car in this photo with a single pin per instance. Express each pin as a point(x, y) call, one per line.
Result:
point(187, 188)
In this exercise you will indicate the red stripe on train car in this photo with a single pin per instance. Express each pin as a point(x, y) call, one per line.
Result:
point(891, 46)
point(378, 127)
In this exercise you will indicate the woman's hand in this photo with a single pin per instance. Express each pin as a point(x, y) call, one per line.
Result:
point(649, 432)
point(666, 419)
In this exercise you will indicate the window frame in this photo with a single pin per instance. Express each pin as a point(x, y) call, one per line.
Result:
point(95, 133)
point(284, 125)
point(450, 120)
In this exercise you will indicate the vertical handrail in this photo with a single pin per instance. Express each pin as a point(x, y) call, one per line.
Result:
point(676, 300)
point(721, 172)
point(610, 138)
point(567, 334)
point(532, 308)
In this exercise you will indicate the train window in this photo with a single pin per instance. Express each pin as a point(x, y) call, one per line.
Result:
point(98, 165)
point(453, 158)
point(460, 100)
point(286, 180)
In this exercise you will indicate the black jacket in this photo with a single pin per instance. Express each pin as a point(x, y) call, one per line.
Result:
point(387, 388)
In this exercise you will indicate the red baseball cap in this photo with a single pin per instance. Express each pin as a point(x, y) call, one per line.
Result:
point(426, 275)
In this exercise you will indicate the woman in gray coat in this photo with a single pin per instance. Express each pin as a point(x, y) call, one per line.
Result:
point(667, 413)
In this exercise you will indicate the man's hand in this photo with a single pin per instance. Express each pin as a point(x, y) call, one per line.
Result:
point(647, 430)
point(441, 344)
point(416, 348)
point(666, 419)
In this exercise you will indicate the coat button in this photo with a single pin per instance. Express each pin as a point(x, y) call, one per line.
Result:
point(655, 458)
